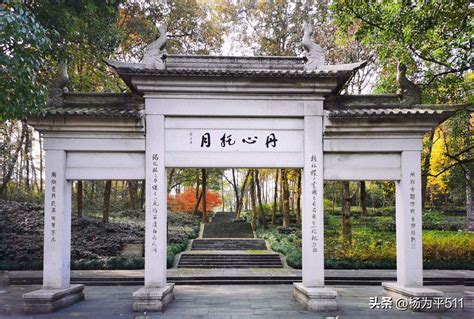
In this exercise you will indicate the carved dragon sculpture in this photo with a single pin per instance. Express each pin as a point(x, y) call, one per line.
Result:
point(155, 51)
point(314, 53)
point(58, 88)
point(411, 93)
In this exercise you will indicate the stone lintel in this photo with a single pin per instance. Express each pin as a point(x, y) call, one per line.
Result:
point(320, 299)
point(397, 291)
point(48, 300)
point(153, 298)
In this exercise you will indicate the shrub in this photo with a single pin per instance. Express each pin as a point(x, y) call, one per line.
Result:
point(294, 259)
point(448, 246)
point(433, 220)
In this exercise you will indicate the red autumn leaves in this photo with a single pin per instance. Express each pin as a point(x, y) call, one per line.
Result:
point(186, 201)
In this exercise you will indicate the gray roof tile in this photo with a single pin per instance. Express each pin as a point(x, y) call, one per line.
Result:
point(386, 112)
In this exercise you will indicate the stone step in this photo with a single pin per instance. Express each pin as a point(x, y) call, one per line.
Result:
point(210, 266)
point(194, 260)
point(226, 244)
point(230, 262)
point(230, 256)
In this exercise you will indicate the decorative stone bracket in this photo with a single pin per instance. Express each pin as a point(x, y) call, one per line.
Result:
point(314, 53)
point(155, 52)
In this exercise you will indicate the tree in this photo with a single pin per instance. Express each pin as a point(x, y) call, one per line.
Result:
point(434, 38)
point(261, 214)
point(11, 156)
point(186, 201)
point(24, 47)
point(132, 194)
point(79, 198)
point(298, 195)
point(346, 211)
point(275, 196)
point(106, 206)
point(205, 217)
point(285, 198)
point(271, 27)
point(363, 198)
point(238, 193)
point(253, 200)
point(194, 27)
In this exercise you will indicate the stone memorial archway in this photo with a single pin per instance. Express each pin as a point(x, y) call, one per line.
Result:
point(213, 111)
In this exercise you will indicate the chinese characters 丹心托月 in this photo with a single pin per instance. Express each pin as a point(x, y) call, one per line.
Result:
point(227, 140)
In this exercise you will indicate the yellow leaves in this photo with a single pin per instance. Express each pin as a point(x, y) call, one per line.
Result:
point(448, 246)
point(437, 183)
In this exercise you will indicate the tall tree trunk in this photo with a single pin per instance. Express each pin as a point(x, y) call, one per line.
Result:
point(469, 208)
point(10, 166)
point(27, 156)
point(170, 179)
point(426, 170)
point(275, 197)
point(92, 190)
point(196, 207)
point(252, 200)
point(132, 194)
point(262, 216)
point(106, 206)
point(198, 182)
point(286, 198)
point(142, 194)
point(79, 198)
point(363, 198)
point(298, 196)
point(242, 192)
point(281, 192)
point(205, 218)
point(236, 191)
point(346, 211)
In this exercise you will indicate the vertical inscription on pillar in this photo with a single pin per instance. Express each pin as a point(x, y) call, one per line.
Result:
point(412, 205)
point(155, 202)
point(314, 207)
point(53, 206)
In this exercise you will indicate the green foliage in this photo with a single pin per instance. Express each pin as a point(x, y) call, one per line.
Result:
point(432, 37)
point(87, 32)
point(448, 247)
point(294, 259)
point(24, 47)
point(434, 220)
point(373, 243)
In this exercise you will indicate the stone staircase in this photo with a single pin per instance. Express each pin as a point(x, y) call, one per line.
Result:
point(230, 261)
point(228, 244)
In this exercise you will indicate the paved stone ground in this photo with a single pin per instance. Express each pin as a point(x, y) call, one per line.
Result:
point(269, 301)
point(240, 272)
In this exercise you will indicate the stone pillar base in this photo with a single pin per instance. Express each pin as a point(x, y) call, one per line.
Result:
point(49, 300)
point(153, 298)
point(415, 296)
point(315, 298)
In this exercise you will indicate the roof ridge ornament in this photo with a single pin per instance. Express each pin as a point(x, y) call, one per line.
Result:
point(410, 92)
point(58, 88)
point(313, 52)
point(155, 52)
